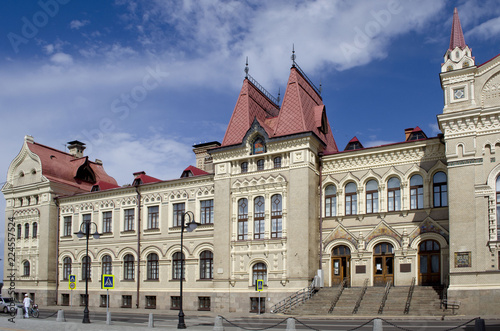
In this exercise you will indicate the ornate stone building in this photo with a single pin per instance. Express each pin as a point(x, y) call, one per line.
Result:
point(276, 201)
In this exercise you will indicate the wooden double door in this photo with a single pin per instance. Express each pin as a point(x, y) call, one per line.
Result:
point(383, 264)
point(341, 261)
point(429, 253)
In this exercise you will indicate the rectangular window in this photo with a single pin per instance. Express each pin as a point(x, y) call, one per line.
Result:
point(150, 302)
point(276, 216)
point(254, 305)
point(207, 212)
point(153, 217)
point(351, 204)
point(178, 213)
point(103, 300)
point(440, 195)
point(330, 206)
point(394, 200)
point(417, 197)
point(126, 301)
point(65, 299)
point(204, 303)
point(83, 299)
point(86, 219)
point(175, 302)
point(67, 226)
point(129, 215)
point(107, 219)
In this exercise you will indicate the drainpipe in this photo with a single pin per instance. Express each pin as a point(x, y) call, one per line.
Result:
point(320, 158)
point(138, 244)
point(57, 246)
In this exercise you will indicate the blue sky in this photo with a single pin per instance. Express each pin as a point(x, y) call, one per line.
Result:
point(140, 82)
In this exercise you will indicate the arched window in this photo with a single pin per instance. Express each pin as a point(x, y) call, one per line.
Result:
point(498, 207)
point(153, 267)
point(351, 199)
point(243, 219)
point(330, 201)
point(440, 190)
point(26, 231)
point(66, 267)
point(128, 267)
point(416, 192)
point(19, 227)
point(258, 219)
point(277, 162)
point(35, 230)
point(206, 265)
point(26, 268)
point(86, 267)
point(372, 197)
point(259, 271)
point(244, 167)
point(107, 268)
point(177, 265)
point(276, 216)
point(393, 194)
point(260, 164)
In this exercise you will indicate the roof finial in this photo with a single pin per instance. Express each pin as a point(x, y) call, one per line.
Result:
point(246, 68)
point(279, 94)
point(293, 55)
point(320, 87)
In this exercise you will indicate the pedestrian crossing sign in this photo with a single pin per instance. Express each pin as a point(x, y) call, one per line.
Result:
point(108, 282)
point(72, 282)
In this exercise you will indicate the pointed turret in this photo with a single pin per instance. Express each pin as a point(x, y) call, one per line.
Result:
point(458, 55)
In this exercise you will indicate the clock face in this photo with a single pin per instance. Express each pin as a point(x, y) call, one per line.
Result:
point(458, 93)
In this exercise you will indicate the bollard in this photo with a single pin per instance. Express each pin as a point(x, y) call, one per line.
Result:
point(290, 324)
point(20, 313)
point(108, 318)
point(479, 325)
point(60, 316)
point(377, 324)
point(151, 323)
point(218, 324)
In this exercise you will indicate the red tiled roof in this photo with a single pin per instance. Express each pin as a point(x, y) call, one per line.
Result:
point(194, 171)
point(58, 166)
point(353, 140)
point(302, 111)
point(457, 36)
point(144, 179)
point(251, 104)
point(103, 186)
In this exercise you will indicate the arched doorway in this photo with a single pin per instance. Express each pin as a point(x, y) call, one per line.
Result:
point(429, 253)
point(341, 260)
point(383, 266)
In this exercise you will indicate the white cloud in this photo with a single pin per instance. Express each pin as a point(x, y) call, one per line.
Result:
point(62, 59)
point(76, 24)
point(49, 49)
point(486, 30)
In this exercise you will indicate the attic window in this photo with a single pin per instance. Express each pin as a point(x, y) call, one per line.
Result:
point(258, 146)
point(417, 135)
point(21, 174)
point(353, 145)
point(324, 126)
point(52, 157)
point(187, 173)
point(33, 171)
point(95, 188)
point(85, 173)
point(137, 181)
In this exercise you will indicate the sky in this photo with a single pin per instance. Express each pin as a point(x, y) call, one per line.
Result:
point(141, 81)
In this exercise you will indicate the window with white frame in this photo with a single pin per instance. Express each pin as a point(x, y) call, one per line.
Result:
point(276, 216)
point(372, 197)
point(416, 192)
point(258, 218)
point(207, 212)
point(351, 199)
point(243, 219)
point(393, 194)
point(330, 201)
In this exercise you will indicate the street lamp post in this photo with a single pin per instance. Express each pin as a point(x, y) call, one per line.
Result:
point(85, 231)
point(189, 227)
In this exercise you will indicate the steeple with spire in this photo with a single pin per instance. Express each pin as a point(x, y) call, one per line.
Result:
point(458, 55)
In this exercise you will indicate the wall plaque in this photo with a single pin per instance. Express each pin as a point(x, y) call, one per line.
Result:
point(361, 269)
point(463, 260)
point(405, 267)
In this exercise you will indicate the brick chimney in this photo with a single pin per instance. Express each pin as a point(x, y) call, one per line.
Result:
point(76, 148)
point(203, 159)
point(407, 133)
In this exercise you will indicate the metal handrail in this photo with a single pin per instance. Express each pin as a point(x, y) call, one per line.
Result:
point(337, 297)
point(263, 90)
point(444, 293)
point(363, 291)
point(384, 298)
point(307, 78)
point(410, 295)
point(296, 298)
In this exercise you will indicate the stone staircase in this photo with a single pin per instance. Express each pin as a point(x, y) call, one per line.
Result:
point(425, 302)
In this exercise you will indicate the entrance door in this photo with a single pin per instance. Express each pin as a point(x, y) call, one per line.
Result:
point(341, 260)
point(383, 266)
point(430, 263)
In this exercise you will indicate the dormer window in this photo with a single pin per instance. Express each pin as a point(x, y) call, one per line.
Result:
point(244, 167)
point(258, 146)
point(457, 55)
